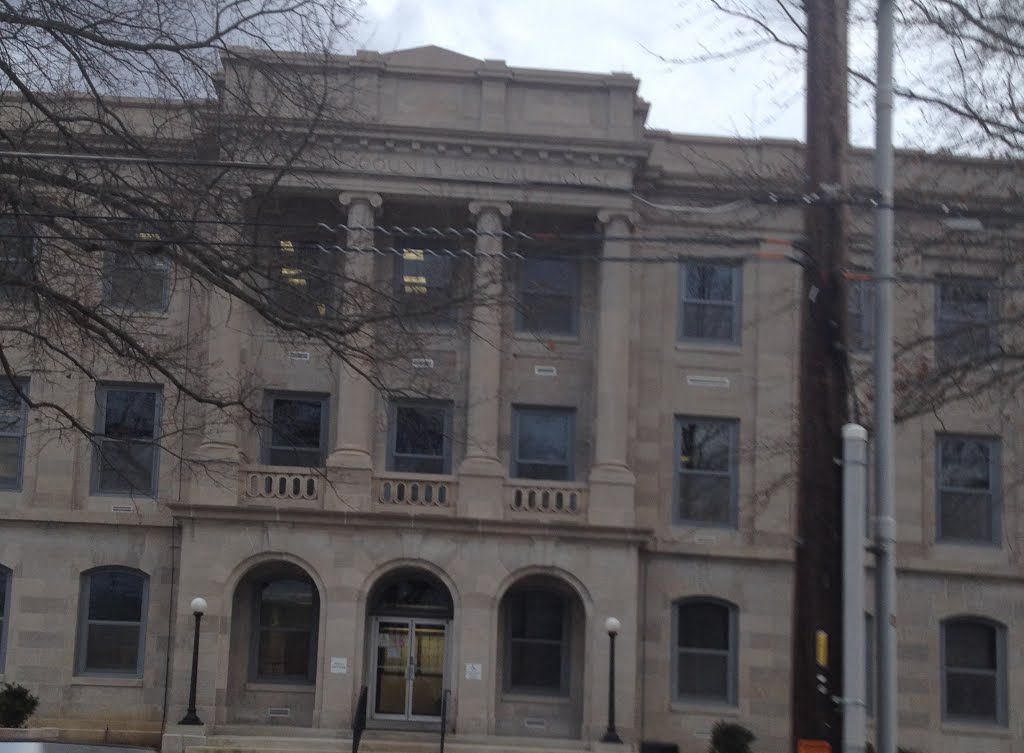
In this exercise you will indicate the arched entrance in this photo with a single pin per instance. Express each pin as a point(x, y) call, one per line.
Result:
point(541, 635)
point(410, 612)
point(275, 621)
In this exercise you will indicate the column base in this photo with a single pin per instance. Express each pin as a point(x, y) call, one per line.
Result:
point(481, 482)
point(177, 738)
point(218, 452)
point(612, 496)
point(350, 457)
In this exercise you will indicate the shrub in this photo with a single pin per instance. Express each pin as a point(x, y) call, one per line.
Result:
point(16, 705)
point(727, 737)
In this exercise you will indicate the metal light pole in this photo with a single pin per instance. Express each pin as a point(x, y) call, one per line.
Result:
point(855, 492)
point(198, 607)
point(885, 523)
point(612, 625)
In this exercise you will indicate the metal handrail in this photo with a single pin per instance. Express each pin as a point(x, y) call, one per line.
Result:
point(444, 717)
point(359, 723)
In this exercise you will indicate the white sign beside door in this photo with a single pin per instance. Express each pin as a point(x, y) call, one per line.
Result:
point(339, 665)
point(474, 671)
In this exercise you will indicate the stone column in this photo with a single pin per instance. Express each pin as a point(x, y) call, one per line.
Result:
point(481, 472)
point(214, 476)
point(354, 415)
point(223, 363)
point(611, 481)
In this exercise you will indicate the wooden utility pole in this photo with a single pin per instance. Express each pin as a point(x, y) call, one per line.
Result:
point(817, 619)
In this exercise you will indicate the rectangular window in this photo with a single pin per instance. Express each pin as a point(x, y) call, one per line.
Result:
point(548, 296)
point(705, 651)
point(707, 452)
point(966, 326)
point(126, 449)
point(968, 489)
point(420, 437)
point(297, 435)
point(138, 274)
point(301, 279)
point(425, 286)
point(13, 422)
point(709, 309)
point(112, 614)
point(974, 671)
point(18, 258)
point(860, 315)
point(542, 443)
point(536, 642)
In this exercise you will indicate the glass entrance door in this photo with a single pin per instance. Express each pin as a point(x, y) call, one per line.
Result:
point(409, 659)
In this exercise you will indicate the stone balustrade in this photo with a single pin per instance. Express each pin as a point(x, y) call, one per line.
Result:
point(261, 485)
point(525, 498)
point(405, 490)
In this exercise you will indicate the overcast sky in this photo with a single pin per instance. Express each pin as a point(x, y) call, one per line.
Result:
point(753, 97)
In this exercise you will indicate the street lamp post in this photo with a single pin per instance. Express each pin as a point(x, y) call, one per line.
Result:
point(612, 625)
point(198, 607)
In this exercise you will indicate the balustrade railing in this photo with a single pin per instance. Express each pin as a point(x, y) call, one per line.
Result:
point(288, 484)
point(413, 490)
point(556, 499)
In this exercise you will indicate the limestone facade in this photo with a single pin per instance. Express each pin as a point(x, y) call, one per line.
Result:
point(489, 147)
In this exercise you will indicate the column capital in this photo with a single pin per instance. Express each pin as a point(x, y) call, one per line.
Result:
point(502, 208)
point(607, 216)
point(350, 197)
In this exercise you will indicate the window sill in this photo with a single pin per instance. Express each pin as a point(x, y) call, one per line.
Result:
point(711, 708)
point(280, 687)
point(109, 682)
point(549, 699)
point(976, 729)
point(712, 348)
point(542, 338)
point(984, 546)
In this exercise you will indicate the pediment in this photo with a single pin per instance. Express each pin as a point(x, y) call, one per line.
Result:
point(431, 56)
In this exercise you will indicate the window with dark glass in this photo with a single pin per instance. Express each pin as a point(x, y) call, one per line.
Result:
point(536, 642)
point(860, 316)
point(548, 296)
point(966, 326)
point(425, 286)
point(420, 437)
point(974, 671)
point(297, 434)
point(288, 612)
point(138, 274)
point(543, 443)
point(706, 471)
point(5, 611)
point(112, 622)
point(126, 450)
point(13, 419)
point(301, 280)
point(705, 651)
point(968, 489)
point(18, 258)
point(709, 309)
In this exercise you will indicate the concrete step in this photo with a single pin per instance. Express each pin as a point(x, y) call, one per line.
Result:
point(381, 741)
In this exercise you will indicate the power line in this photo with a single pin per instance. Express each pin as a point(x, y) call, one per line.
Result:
point(825, 197)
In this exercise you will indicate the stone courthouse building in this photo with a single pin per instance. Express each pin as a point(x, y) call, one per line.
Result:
point(612, 437)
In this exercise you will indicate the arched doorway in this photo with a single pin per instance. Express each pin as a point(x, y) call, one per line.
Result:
point(275, 623)
point(541, 639)
point(410, 612)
